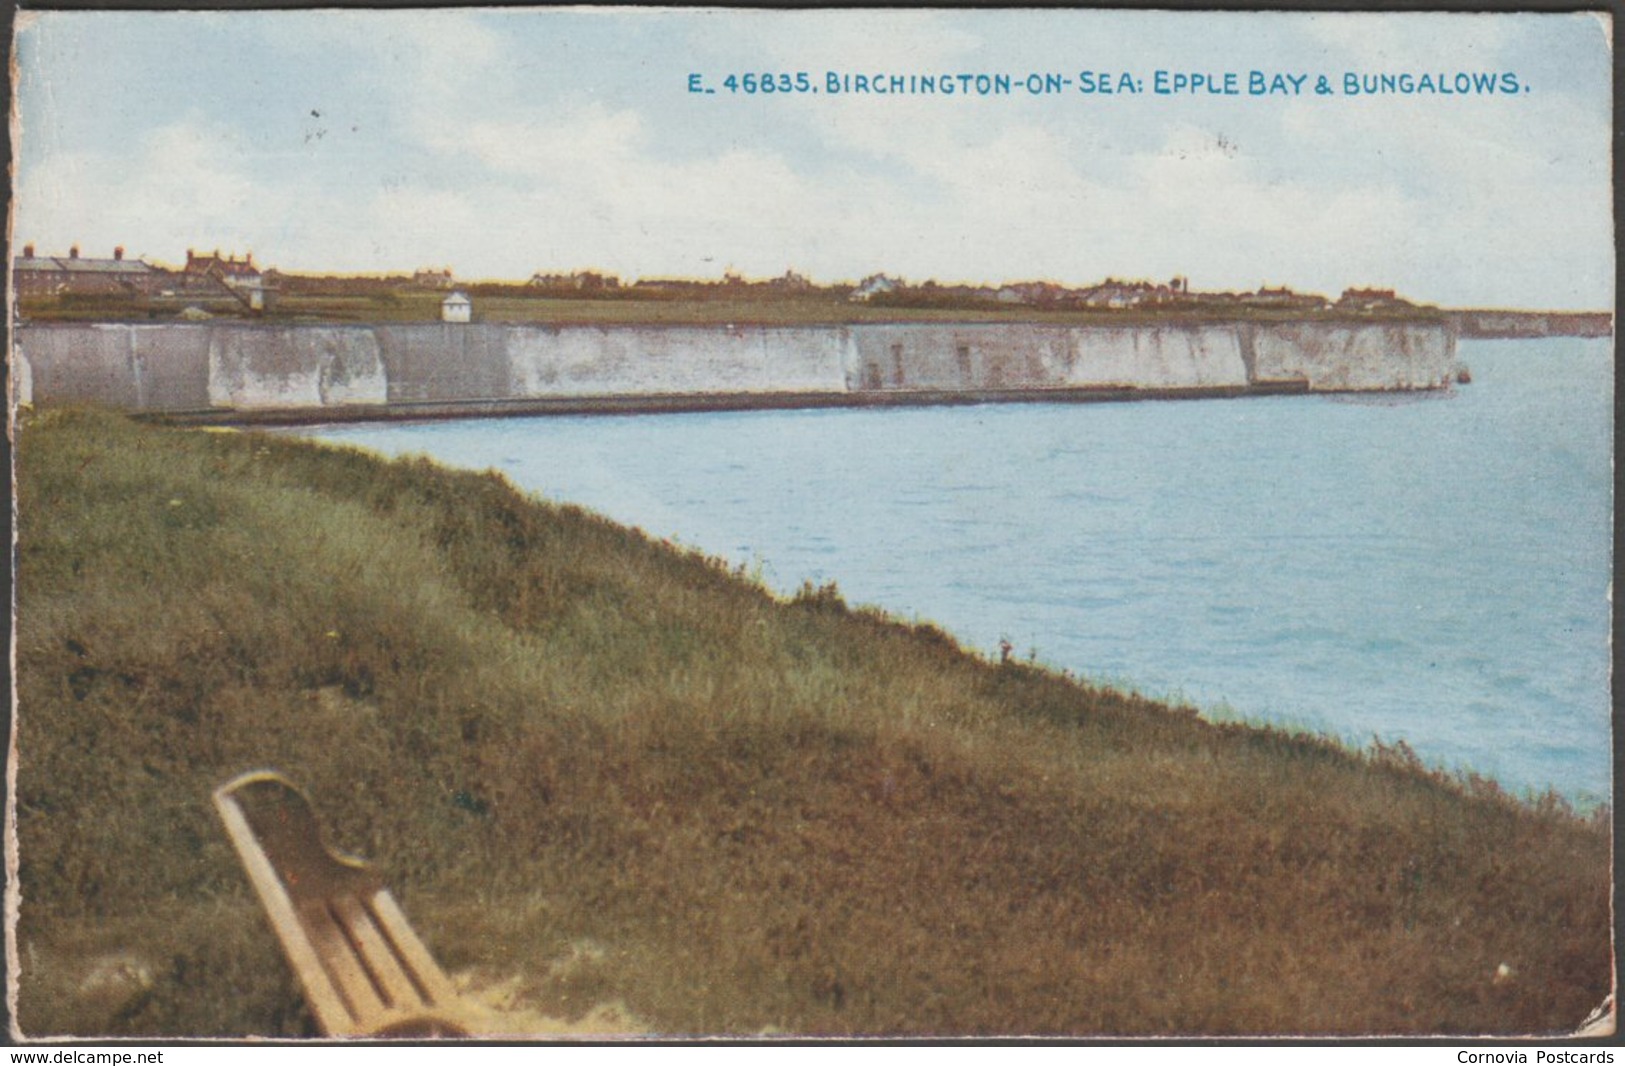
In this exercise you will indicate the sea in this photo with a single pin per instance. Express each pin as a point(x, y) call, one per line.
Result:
point(1427, 567)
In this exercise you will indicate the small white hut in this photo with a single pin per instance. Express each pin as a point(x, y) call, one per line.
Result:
point(456, 308)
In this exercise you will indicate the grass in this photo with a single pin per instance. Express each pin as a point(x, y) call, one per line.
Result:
point(820, 308)
point(607, 771)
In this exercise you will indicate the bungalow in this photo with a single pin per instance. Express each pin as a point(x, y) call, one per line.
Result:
point(1285, 299)
point(872, 286)
point(1370, 300)
point(1116, 295)
point(1034, 293)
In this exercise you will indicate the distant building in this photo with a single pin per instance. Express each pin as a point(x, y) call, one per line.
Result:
point(579, 281)
point(1266, 295)
point(433, 279)
point(230, 269)
point(1285, 299)
point(241, 278)
point(872, 286)
point(790, 282)
point(1116, 295)
point(457, 308)
point(1032, 293)
point(1369, 300)
point(676, 286)
point(34, 275)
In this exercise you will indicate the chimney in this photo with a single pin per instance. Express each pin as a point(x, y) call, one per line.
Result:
point(28, 251)
point(118, 253)
point(73, 252)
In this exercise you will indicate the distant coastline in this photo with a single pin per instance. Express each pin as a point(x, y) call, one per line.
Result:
point(1490, 324)
point(224, 338)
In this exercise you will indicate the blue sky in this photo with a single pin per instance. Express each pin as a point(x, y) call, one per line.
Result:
point(501, 143)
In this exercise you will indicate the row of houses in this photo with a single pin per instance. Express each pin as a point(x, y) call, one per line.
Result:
point(206, 277)
point(37, 275)
point(1110, 293)
point(210, 278)
point(583, 281)
point(1113, 294)
point(208, 281)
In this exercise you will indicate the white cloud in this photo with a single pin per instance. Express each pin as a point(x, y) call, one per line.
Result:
point(858, 41)
point(448, 152)
point(1381, 42)
point(78, 197)
point(591, 141)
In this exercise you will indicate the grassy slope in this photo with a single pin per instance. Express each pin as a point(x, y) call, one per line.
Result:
point(615, 771)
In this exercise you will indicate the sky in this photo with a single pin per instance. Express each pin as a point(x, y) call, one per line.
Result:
point(502, 143)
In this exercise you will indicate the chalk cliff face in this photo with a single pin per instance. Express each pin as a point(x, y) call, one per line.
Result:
point(1153, 357)
point(1375, 356)
point(232, 366)
point(133, 367)
point(989, 357)
point(439, 361)
point(673, 360)
point(307, 366)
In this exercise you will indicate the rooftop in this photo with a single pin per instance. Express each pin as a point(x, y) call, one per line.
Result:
point(72, 265)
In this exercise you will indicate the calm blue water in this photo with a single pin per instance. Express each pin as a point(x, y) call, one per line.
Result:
point(1428, 568)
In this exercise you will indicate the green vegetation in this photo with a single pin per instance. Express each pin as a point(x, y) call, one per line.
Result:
point(718, 305)
point(608, 771)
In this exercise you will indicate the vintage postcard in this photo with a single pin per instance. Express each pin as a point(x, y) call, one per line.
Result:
point(566, 524)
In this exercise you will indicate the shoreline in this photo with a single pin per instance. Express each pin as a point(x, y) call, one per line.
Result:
point(701, 403)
